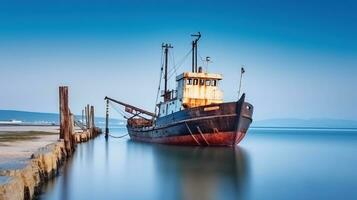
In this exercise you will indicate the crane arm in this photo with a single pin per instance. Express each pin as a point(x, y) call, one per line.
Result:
point(129, 107)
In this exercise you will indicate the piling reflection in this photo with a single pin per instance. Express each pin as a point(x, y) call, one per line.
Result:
point(65, 194)
point(198, 172)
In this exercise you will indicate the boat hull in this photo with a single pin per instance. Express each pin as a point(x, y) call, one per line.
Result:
point(223, 124)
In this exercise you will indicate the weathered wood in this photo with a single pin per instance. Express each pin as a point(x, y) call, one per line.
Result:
point(65, 118)
point(82, 116)
point(88, 117)
point(61, 117)
point(71, 131)
point(92, 116)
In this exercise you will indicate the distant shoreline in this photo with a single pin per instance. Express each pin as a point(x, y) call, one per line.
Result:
point(256, 127)
point(296, 127)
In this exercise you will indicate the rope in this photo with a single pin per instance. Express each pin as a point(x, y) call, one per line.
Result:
point(123, 114)
point(118, 136)
point(78, 123)
point(173, 60)
point(173, 69)
point(158, 89)
point(118, 110)
point(179, 64)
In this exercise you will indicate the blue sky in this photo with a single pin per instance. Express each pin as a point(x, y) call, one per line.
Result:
point(300, 56)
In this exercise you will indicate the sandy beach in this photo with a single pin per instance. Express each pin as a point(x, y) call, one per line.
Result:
point(18, 143)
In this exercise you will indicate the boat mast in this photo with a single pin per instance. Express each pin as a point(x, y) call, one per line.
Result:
point(194, 51)
point(166, 52)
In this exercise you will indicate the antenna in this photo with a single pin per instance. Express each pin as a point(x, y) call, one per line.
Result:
point(242, 71)
point(207, 60)
point(194, 50)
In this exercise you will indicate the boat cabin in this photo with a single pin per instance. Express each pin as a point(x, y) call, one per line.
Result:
point(192, 89)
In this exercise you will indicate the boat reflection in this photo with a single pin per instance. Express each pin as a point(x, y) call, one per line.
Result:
point(185, 172)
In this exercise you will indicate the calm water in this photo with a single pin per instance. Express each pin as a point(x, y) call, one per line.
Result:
point(268, 164)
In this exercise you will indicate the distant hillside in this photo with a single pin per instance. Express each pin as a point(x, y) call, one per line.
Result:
point(317, 123)
point(44, 118)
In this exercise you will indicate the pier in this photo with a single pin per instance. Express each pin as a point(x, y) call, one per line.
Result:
point(23, 174)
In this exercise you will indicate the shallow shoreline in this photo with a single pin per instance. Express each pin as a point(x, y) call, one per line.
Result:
point(30, 156)
point(24, 180)
point(43, 128)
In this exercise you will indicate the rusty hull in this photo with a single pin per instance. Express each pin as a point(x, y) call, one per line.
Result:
point(203, 125)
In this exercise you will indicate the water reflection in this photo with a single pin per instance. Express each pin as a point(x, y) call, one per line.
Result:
point(198, 172)
point(316, 164)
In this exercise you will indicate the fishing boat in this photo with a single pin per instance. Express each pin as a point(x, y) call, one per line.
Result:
point(192, 114)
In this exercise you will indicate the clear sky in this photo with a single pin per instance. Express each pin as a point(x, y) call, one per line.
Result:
point(300, 56)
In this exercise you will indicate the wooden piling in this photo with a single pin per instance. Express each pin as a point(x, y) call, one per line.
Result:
point(92, 116)
point(85, 116)
point(61, 115)
point(88, 117)
point(72, 132)
point(65, 118)
point(82, 116)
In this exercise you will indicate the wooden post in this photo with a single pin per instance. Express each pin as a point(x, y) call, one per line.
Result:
point(88, 117)
point(92, 116)
point(82, 116)
point(65, 118)
point(94, 133)
point(85, 116)
point(61, 114)
point(72, 131)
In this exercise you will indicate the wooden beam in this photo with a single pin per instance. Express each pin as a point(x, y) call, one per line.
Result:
point(88, 116)
point(61, 114)
point(65, 128)
point(92, 116)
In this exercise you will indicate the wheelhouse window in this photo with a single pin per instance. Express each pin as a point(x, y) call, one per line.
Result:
point(202, 82)
point(208, 82)
point(195, 81)
point(214, 83)
point(189, 81)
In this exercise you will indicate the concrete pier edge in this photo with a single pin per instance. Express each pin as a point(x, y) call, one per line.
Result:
point(25, 183)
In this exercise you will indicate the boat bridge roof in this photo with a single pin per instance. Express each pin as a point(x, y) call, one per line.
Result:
point(201, 75)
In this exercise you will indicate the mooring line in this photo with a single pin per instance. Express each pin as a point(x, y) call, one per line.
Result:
point(118, 136)
point(192, 134)
point(199, 130)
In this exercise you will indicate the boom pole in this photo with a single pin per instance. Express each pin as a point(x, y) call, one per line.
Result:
point(139, 110)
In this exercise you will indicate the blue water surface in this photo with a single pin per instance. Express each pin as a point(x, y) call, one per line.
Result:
point(268, 164)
